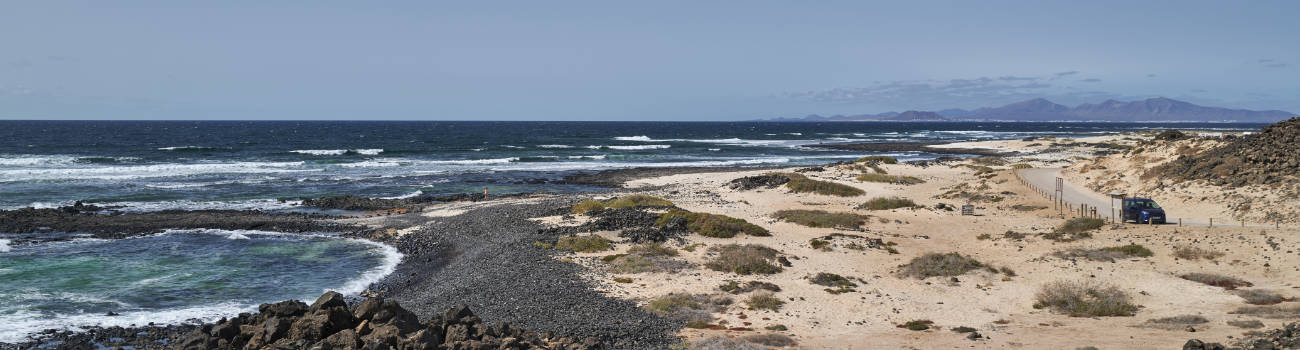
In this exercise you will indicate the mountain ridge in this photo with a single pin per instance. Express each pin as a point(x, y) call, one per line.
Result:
point(1041, 109)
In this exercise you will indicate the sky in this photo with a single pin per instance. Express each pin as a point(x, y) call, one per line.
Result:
point(612, 60)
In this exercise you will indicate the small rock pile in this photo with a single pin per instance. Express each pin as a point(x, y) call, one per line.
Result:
point(1272, 156)
point(752, 182)
point(634, 223)
point(375, 323)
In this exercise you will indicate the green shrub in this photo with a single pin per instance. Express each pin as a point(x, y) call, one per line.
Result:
point(671, 304)
point(1083, 299)
point(802, 184)
point(690, 308)
point(744, 259)
point(697, 324)
point(712, 225)
point(822, 218)
point(735, 287)
point(882, 203)
point(890, 179)
point(963, 329)
point(1078, 225)
point(583, 244)
point(777, 327)
point(1134, 250)
point(636, 200)
point(764, 301)
point(838, 283)
point(878, 159)
point(622, 280)
point(1021, 166)
point(936, 264)
point(1225, 282)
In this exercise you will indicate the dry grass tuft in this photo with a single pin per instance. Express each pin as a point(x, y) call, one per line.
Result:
point(1196, 253)
point(802, 184)
point(770, 339)
point(891, 179)
point(878, 159)
point(764, 301)
point(882, 203)
point(719, 342)
point(1108, 254)
point(652, 249)
point(1084, 299)
point(1247, 324)
point(1271, 311)
point(822, 218)
point(936, 264)
point(1226, 282)
point(712, 225)
point(744, 259)
point(838, 284)
point(1261, 296)
point(583, 244)
point(735, 287)
point(687, 307)
point(1078, 225)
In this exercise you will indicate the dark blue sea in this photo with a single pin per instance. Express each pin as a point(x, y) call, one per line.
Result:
point(156, 165)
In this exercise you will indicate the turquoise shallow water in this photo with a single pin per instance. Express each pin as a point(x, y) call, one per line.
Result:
point(175, 276)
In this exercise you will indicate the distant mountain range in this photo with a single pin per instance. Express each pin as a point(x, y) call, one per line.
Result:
point(1152, 109)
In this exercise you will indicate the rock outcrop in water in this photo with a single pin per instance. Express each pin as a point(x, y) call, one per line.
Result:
point(330, 323)
point(1270, 157)
point(75, 219)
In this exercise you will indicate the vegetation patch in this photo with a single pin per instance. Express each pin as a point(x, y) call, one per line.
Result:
point(735, 287)
point(744, 259)
point(838, 284)
point(777, 327)
point(1108, 254)
point(643, 264)
point(1176, 322)
point(1261, 296)
point(1076, 226)
point(878, 159)
point(936, 264)
point(917, 325)
point(688, 308)
point(964, 329)
point(622, 280)
point(1083, 299)
point(711, 225)
point(652, 249)
point(583, 244)
point(770, 339)
point(890, 179)
point(636, 200)
point(1021, 166)
point(1271, 311)
point(1225, 282)
point(1026, 207)
point(883, 203)
point(822, 218)
point(802, 184)
point(764, 301)
point(1196, 253)
point(1247, 324)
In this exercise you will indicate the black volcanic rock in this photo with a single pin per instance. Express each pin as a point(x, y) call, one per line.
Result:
point(1269, 157)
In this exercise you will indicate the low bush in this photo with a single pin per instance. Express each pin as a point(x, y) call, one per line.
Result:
point(764, 301)
point(583, 244)
point(1176, 322)
point(721, 342)
point(1078, 225)
point(642, 264)
point(820, 244)
point(917, 325)
point(777, 327)
point(770, 339)
point(1060, 236)
point(878, 159)
point(936, 264)
point(1271, 311)
point(1247, 324)
point(636, 200)
point(1108, 254)
point(622, 280)
point(744, 259)
point(890, 179)
point(1021, 166)
point(712, 225)
point(1025, 207)
point(822, 218)
point(1261, 297)
point(1196, 253)
point(838, 284)
point(802, 184)
point(989, 160)
point(963, 329)
point(1225, 282)
point(688, 308)
point(883, 203)
point(1083, 299)
point(735, 287)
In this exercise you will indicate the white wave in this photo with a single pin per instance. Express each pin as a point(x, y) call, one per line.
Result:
point(636, 147)
point(510, 146)
point(408, 195)
point(36, 160)
point(373, 164)
point(20, 324)
point(554, 146)
point(149, 171)
point(178, 148)
point(794, 133)
point(733, 141)
point(251, 204)
point(391, 258)
point(633, 138)
point(237, 235)
point(336, 152)
point(714, 149)
point(4, 246)
point(473, 161)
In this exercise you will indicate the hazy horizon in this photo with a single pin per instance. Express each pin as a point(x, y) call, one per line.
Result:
point(666, 61)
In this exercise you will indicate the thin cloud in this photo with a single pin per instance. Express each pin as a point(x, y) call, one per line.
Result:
point(1091, 80)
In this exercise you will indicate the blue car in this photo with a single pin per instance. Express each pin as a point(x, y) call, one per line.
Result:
point(1143, 211)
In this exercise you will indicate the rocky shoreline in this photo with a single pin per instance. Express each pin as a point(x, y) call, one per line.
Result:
point(908, 147)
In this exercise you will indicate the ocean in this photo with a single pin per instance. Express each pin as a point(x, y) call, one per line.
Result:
point(268, 165)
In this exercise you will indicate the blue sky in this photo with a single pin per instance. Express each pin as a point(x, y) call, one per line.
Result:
point(655, 60)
